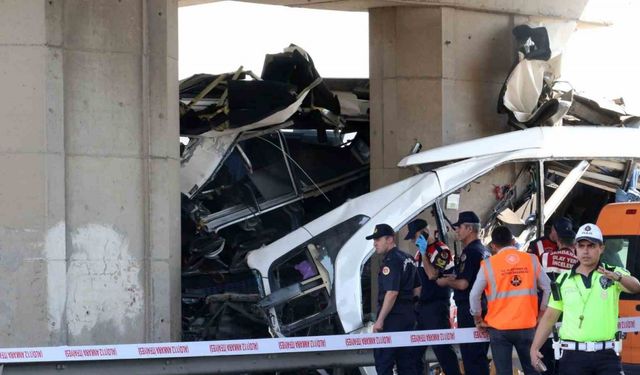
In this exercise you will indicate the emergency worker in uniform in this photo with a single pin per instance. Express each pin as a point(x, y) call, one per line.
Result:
point(434, 260)
point(587, 297)
point(555, 262)
point(474, 356)
point(510, 280)
point(397, 280)
point(546, 244)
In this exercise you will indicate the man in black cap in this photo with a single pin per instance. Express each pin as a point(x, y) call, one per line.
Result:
point(549, 243)
point(474, 356)
point(434, 260)
point(397, 284)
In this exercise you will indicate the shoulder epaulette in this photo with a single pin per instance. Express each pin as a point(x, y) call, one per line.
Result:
point(562, 278)
point(608, 267)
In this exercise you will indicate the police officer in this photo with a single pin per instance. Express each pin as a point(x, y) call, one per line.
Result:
point(397, 283)
point(587, 297)
point(474, 356)
point(546, 244)
point(434, 260)
point(554, 262)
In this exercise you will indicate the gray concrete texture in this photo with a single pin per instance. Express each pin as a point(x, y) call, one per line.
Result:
point(90, 232)
point(436, 73)
point(568, 9)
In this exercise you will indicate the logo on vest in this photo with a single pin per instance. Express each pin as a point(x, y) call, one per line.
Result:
point(512, 259)
point(516, 280)
point(386, 270)
point(605, 282)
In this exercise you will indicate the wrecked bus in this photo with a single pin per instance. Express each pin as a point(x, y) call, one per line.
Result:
point(317, 279)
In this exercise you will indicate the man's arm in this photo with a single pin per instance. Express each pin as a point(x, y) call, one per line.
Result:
point(387, 304)
point(543, 331)
point(451, 282)
point(429, 269)
point(475, 296)
point(544, 284)
point(628, 283)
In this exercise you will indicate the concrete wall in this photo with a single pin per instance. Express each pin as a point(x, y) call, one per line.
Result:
point(89, 234)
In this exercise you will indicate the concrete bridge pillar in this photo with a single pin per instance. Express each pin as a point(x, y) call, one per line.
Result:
point(89, 193)
point(436, 72)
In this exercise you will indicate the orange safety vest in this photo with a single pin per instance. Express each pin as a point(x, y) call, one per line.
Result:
point(512, 289)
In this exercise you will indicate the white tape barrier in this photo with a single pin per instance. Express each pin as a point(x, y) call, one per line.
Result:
point(257, 346)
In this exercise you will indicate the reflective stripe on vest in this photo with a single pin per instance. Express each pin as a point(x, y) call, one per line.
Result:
point(518, 313)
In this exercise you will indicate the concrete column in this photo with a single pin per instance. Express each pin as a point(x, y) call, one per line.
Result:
point(436, 73)
point(89, 234)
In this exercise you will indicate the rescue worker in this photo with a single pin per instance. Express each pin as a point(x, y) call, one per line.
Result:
point(587, 297)
point(510, 280)
point(474, 356)
point(545, 244)
point(554, 262)
point(397, 280)
point(434, 260)
point(564, 257)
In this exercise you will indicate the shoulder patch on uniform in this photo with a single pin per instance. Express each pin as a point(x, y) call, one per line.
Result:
point(605, 282)
point(386, 270)
point(463, 257)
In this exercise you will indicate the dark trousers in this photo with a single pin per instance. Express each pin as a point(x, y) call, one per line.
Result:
point(603, 362)
point(549, 358)
point(403, 358)
point(474, 356)
point(502, 344)
point(435, 315)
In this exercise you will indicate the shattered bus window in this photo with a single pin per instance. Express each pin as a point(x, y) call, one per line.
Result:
point(302, 281)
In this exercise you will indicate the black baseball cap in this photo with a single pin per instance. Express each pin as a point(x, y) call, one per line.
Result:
point(381, 230)
point(414, 227)
point(564, 228)
point(468, 217)
point(501, 236)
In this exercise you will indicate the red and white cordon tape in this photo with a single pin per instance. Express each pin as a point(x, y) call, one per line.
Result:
point(256, 346)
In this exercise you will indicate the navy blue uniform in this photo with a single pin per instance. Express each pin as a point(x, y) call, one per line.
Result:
point(474, 356)
point(433, 308)
point(397, 273)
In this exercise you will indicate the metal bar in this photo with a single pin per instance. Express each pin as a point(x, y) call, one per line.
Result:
point(286, 163)
point(564, 189)
point(628, 173)
point(200, 365)
point(248, 134)
point(586, 182)
point(206, 90)
point(540, 200)
point(441, 223)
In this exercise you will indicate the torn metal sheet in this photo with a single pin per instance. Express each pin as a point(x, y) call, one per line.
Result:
point(265, 155)
point(200, 160)
point(529, 95)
